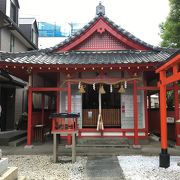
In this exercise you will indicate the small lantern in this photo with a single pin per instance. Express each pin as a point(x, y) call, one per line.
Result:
point(81, 89)
point(101, 90)
point(121, 90)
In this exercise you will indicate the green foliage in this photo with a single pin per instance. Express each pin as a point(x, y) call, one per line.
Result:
point(170, 29)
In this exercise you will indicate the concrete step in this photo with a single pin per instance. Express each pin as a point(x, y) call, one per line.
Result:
point(10, 174)
point(103, 141)
point(17, 142)
point(103, 145)
point(8, 136)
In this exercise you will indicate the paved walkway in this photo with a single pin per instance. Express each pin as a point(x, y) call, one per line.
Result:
point(104, 167)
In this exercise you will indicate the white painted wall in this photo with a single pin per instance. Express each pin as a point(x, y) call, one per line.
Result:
point(127, 119)
point(19, 47)
point(76, 103)
point(5, 42)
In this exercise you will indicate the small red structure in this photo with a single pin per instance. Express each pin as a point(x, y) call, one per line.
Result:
point(169, 73)
point(64, 122)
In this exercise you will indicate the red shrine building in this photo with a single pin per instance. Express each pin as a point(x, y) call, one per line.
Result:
point(102, 72)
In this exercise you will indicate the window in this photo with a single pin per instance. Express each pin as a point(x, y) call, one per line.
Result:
point(12, 43)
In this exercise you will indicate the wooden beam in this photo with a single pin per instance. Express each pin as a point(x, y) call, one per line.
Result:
point(171, 79)
point(47, 89)
point(169, 64)
point(151, 88)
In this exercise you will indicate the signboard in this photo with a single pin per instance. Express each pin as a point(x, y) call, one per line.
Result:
point(170, 119)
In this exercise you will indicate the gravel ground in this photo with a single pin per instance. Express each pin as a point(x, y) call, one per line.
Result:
point(147, 168)
point(36, 167)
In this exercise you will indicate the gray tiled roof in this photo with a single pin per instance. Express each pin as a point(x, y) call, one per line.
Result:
point(86, 57)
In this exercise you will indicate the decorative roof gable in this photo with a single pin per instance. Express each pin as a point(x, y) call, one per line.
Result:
point(102, 25)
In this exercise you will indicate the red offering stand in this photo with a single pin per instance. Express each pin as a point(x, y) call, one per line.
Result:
point(64, 124)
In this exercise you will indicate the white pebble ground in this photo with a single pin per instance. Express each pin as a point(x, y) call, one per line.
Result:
point(38, 167)
point(147, 168)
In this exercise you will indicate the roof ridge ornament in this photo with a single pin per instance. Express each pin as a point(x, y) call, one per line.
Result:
point(100, 9)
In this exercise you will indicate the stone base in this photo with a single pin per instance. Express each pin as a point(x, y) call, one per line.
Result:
point(28, 147)
point(136, 146)
point(3, 165)
point(10, 174)
point(164, 160)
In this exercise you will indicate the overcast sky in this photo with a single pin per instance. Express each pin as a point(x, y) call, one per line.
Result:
point(139, 17)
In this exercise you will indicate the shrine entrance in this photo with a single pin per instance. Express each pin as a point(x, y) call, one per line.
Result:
point(110, 103)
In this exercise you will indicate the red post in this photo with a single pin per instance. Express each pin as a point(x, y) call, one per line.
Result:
point(135, 114)
point(29, 132)
point(176, 103)
point(69, 108)
point(164, 156)
point(58, 95)
point(69, 97)
point(163, 114)
point(146, 112)
point(149, 101)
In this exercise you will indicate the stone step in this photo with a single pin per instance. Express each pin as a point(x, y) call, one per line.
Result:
point(8, 136)
point(103, 145)
point(10, 174)
point(18, 142)
point(103, 141)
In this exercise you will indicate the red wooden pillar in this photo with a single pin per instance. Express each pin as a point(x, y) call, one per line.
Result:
point(176, 103)
point(29, 128)
point(164, 156)
point(146, 112)
point(135, 114)
point(149, 101)
point(69, 96)
point(69, 108)
point(58, 95)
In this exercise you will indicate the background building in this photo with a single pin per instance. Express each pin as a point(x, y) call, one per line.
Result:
point(16, 35)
